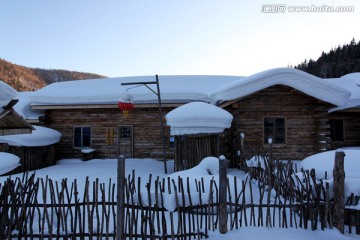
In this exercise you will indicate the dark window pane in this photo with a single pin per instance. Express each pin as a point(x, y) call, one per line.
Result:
point(336, 129)
point(280, 123)
point(86, 141)
point(82, 137)
point(77, 130)
point(274, 128)
point(77, 141)
point(86, 130)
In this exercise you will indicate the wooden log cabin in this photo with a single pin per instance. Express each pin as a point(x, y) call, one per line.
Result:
point(303, 114)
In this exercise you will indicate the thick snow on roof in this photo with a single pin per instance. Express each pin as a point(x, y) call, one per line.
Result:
point(198, 117)
point(23, 106)
point(186, 88)
point(294, 78)
point(351, 82)
point(8, 162)
point(109, 90)
point(41, 136)
point(7, 93)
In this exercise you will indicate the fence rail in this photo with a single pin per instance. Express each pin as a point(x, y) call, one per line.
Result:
point(33, 208)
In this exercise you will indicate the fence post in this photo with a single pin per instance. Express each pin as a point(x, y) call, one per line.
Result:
point(242, 144)
point(339, 184)
point(120, 225)
point(222, 195)
point(241, 152)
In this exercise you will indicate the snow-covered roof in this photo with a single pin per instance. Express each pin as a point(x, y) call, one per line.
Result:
point(11, 122)
point(304, 82)
point(41, 136)
point(351, 82)
point(173, 89)
point(186, 88)
point(7, 94)
point(198, 117)
point(23, 106)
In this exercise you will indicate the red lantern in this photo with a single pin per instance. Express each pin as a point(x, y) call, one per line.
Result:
point(126, 107)
point(126, 103)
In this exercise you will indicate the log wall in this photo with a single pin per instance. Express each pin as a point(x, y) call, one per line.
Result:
point(306, 121)
point(146, 130)
point(32, 158)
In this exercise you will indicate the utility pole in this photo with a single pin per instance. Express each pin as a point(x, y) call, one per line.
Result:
point(160, 112)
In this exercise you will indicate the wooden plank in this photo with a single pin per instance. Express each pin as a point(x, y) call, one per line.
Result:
point(223, 215)
point(102, 106)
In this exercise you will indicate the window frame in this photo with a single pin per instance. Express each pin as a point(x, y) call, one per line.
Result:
point(274, 142)
point(82, 137)
point(336, 132)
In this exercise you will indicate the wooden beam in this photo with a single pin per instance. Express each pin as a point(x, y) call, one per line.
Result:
point(96, 106)
point(10, 104)
point(14, 131)
point(138, 83)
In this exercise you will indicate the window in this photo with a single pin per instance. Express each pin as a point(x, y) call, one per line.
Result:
point(82, 137)
point(336, 129)
point(274, 128)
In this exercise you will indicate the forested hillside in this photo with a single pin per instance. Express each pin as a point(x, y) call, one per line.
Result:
point(29, 79)
point(335, 63)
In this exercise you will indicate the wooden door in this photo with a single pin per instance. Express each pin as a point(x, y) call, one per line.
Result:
point(125, 140)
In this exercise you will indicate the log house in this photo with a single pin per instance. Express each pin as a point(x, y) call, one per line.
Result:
point(283, 104)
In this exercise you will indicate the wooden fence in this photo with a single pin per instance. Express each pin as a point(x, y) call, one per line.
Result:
point(32, 208)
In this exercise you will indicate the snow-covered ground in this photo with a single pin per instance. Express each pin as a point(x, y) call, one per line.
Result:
point(106, 168)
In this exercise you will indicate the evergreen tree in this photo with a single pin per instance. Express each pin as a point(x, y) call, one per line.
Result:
point(336, 63)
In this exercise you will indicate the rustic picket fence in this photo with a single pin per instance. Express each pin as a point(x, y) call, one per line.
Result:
point(33, 208)
point(303, 186)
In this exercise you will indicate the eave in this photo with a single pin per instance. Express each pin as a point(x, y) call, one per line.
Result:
point(99, 106)
point(11, 122)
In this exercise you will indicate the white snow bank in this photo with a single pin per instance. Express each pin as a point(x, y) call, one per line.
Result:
point(198, 117)
point(324, 162)
point(7, 93)
point(41, 136)
point(207, 166)
point(8, 162)
point(208, 171)
point(304, 82)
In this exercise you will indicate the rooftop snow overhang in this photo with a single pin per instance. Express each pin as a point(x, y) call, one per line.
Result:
point(11, 122)
point(40, 136)
point(352, 105)
point(174, 89)
point(299, 80)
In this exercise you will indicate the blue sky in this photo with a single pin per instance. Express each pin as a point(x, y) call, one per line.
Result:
point(169, 37)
